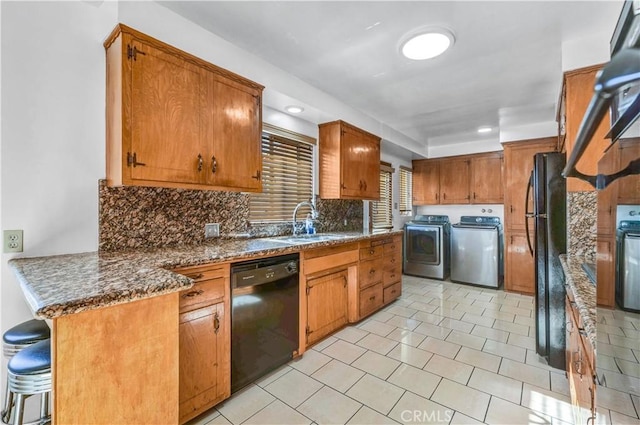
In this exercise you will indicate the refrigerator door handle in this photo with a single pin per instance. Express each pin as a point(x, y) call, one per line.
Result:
point(528, 214)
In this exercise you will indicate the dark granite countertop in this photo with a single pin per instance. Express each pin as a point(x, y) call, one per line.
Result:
point(65, 284)
point(584, 294)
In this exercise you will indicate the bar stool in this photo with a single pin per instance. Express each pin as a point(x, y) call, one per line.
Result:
point(29, 373)
point(13, 341)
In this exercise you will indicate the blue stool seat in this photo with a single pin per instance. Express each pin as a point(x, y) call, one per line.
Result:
point(35, 358)
point(27, 332)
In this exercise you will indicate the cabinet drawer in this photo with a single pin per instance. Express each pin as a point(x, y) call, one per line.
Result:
point(393, 246)
point(205, 272)
point(370, 299)
point(390, 276)
point(370, 252)
point(202, 293)
point(392, 292)
point(391, 262)
point(369, 272)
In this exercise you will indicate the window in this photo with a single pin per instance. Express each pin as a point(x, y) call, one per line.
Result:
point(406, 189)
point(287, 175)
point(381, 217)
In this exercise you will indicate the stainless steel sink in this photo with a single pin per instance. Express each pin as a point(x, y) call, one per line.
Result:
point(303, 239)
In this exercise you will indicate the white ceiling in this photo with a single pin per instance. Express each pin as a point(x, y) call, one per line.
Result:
point(505, 66)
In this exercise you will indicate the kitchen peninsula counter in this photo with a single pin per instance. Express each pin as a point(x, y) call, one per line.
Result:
point(584, 295)
point(116, 340)
point(59, 285)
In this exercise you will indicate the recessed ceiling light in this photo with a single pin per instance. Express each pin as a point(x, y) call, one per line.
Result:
point(484, 129)
point(293, 109)
point(427, 44)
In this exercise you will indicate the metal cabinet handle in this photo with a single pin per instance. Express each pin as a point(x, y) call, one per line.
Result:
point(444, 196)
point(192, 294)
point(133, 160)
point(200, 162)
point(372, 298)
point(216, 322)
point(437, 196)
point(214, 164)
point(393, 292)
point(372, 271)
point(196, 276)
point(372, 251)
point(393, 275)
point(257, 176)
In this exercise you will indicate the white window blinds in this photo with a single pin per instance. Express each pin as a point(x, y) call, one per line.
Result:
point(406, 186)
point(287, 178)
point(381, 217)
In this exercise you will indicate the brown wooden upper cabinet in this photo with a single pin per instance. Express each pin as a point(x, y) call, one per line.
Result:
point(466, 179)
point(426, 182)
point(174, 120)
point(629, 186)
point(349, 162)
point(575, 97)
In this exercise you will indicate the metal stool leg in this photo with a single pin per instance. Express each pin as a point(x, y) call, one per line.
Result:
point(8, 404)
point(19, 412)
point(44, 406)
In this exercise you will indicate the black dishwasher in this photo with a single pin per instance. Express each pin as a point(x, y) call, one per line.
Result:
point(264, 316)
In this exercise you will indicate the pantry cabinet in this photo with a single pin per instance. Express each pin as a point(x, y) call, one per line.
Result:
point(174, 120)
point(349, 162)
point(204, 347)
point(518, 165)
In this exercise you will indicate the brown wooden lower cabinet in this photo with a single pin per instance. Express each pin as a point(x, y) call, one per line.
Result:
point(519, 264)
point(580, 367)
point(326, 304)
point(202, 360)
point(606, 271)
point(204, 342)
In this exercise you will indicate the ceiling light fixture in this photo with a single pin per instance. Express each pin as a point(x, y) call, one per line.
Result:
point(427, 43)
point(485, 129)
point(293, 109)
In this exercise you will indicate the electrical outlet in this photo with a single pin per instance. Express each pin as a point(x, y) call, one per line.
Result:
point(12, 241)
point(211, 230)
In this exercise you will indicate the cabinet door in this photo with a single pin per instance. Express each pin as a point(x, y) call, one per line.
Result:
point(607, 198)
point(426, 182)
point(486, 179)
point(605, 271)
point(231, 129)
point(326, 304)
point(165, 117)
point(454, 181)
point(360, 165)
point(203, 360)
point(520, 272)
point(629, 186)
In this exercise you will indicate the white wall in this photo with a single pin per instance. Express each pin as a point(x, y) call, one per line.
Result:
point(456, 211)
point(397, 158)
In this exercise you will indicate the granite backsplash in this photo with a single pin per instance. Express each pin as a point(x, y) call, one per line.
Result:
point(151, 217)
point(582, 213)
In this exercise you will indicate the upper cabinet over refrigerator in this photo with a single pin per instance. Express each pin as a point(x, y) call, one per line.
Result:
point(617, 86)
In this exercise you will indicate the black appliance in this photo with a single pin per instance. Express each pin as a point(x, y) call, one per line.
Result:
point(264, 316)
point(548, 189)
point(426, 246)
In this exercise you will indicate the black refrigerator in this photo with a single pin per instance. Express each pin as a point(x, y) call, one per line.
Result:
point(548, 190)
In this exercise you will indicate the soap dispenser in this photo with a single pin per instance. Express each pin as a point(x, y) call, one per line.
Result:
point(308, 225)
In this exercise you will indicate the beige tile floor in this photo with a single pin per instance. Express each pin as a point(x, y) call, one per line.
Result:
point(442, 353)
point(618, 367)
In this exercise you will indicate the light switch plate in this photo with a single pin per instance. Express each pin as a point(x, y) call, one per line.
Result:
point(12, 241)
point(211, 230)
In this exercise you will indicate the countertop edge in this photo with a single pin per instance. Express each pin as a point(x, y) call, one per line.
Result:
point(584, 295)
point(147, 273)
